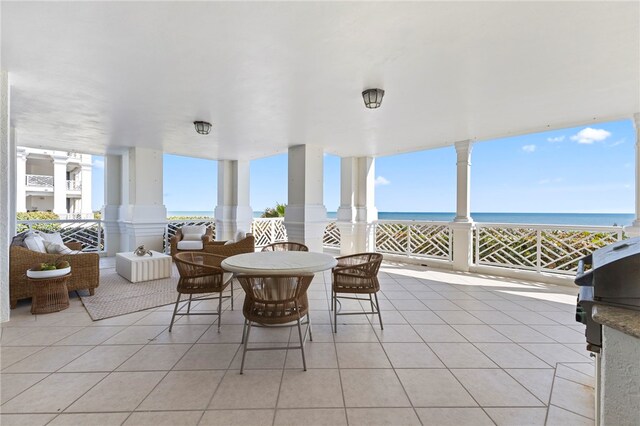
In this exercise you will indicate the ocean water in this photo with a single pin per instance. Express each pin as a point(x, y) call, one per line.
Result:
point(592, 219)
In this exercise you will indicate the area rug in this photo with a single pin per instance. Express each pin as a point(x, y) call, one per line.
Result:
point(117, 296)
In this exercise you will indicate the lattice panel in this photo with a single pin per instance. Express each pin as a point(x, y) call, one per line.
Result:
point(507, 247)
point(392, 238)
point(560, 250)
point(430, 240)
point(331, 236)
point(267, 231)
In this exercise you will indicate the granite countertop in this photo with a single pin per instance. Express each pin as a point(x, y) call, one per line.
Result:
point(624, 320)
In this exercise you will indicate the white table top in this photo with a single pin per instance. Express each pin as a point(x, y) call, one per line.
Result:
point(132, 256)
point(279, 263)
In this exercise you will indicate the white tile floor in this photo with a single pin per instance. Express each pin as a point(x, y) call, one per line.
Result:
point(457, 349)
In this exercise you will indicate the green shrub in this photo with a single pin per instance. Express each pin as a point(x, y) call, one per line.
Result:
point(45, 227)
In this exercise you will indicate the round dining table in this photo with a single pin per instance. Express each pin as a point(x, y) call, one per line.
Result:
point(279, 263)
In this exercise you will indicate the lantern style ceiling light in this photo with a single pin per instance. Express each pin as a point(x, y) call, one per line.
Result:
point(202, 127)
point(373, 98)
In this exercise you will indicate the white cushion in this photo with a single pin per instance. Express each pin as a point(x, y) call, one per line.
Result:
point(240, 235)
point(54, 238)
point(194, 229)
point(192, 237)
point(189, 245)
point(226, 243)
point(35, 242)
point(60, 249)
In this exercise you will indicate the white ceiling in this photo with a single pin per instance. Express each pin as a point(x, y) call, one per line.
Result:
point(101, 76)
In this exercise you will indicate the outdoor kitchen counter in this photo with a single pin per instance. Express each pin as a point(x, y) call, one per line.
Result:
point(621, 319)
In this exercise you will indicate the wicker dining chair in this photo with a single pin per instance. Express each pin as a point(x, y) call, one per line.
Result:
point(356, 274)
point(200, 273)
point(275, 300)
point(285, 246)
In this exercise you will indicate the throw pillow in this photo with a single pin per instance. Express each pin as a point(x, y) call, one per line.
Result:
point(191, 237)
point(35, 242)
point(240, 235)
point(53, 237)
point(18, 240)
point(58, 248)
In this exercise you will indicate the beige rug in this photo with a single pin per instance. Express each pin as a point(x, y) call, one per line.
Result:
point(117, 296)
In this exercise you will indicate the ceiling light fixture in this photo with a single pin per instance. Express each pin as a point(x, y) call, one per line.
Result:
point(373, 98)
point(202, 127)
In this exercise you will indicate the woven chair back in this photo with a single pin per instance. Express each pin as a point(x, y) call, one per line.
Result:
point(285, 246)
point(199, 272)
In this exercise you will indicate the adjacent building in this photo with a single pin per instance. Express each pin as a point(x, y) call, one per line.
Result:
point(56, 181)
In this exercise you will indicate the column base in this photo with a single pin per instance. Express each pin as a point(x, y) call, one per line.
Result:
point(305, 224)
point(142, 224)
point(231, 219)
point(633, 230)
point(462, 245)
point(357, 237)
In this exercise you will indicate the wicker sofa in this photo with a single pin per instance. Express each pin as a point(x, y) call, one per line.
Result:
point(85, 270)
point(221, 248)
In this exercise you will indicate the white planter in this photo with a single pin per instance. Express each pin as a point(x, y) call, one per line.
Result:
point(48, 274)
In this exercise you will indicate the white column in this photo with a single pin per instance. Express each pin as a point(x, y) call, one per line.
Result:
point(462, 225)
point(113, 202)
point(233, 212)
point(85, 181)
point(634, 229)
point(60, 184)
point(142, 214)
point(357, 212)
point(306, 217)
point(21, 180)
point(7, 152)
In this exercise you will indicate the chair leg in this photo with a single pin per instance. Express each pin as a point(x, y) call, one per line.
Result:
point(189, 306)
point(219, 311)
point(378, 307)
point(304, 362)
point(232, 293)
point(309, 327)
point(244, 331)
point(175, 310)
point(335, 312)
point(246, 343)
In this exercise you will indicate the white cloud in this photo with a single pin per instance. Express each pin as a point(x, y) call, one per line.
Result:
point(99, 164)
point(529, 148)
point(556, 139)
point(589, 135)
point(381, 180)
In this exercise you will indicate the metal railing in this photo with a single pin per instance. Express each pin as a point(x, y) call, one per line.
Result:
point(268, 230)
point(540, 248)
point(39, 180)
point(415, 238)
point(74, 185)
point(89, 233)
point(174, 225)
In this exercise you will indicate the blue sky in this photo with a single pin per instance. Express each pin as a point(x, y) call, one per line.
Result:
point(586, 169)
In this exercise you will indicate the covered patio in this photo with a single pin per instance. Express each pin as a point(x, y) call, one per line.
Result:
point(470, 337)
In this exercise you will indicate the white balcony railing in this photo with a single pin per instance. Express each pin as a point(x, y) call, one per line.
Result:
point(74, 185)
point(41, 181)
point(268, 230)
point(415, 238)
point(88, 232)
point(541, 248)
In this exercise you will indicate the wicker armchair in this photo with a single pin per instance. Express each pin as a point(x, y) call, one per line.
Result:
point(275, 301)
point(206, 239)
point(356, 274)
point(285, 246)
point(246, 245)
point(85, 269)
point(200, 273)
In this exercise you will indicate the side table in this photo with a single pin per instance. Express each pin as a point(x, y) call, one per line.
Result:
point(49, 294)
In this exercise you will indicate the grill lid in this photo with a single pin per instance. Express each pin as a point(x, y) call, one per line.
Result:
point(618, 259)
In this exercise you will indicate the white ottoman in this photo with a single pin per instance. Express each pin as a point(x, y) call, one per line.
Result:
point(143, 268)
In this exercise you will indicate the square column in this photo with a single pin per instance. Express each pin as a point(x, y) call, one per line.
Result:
point(60, 184)
point(357, 213)
point(233, 212)
point(113, 200)
point(142, 215)
point(7, 191)
point(306, 217)
point(21, 180)
point(462, 225)
point(85, 181)
point(634, 229)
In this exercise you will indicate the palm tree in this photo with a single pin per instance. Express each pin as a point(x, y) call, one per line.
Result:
point(277, 211)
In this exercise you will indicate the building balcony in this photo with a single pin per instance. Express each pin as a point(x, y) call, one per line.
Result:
point(39, 181)
point(74, 185)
